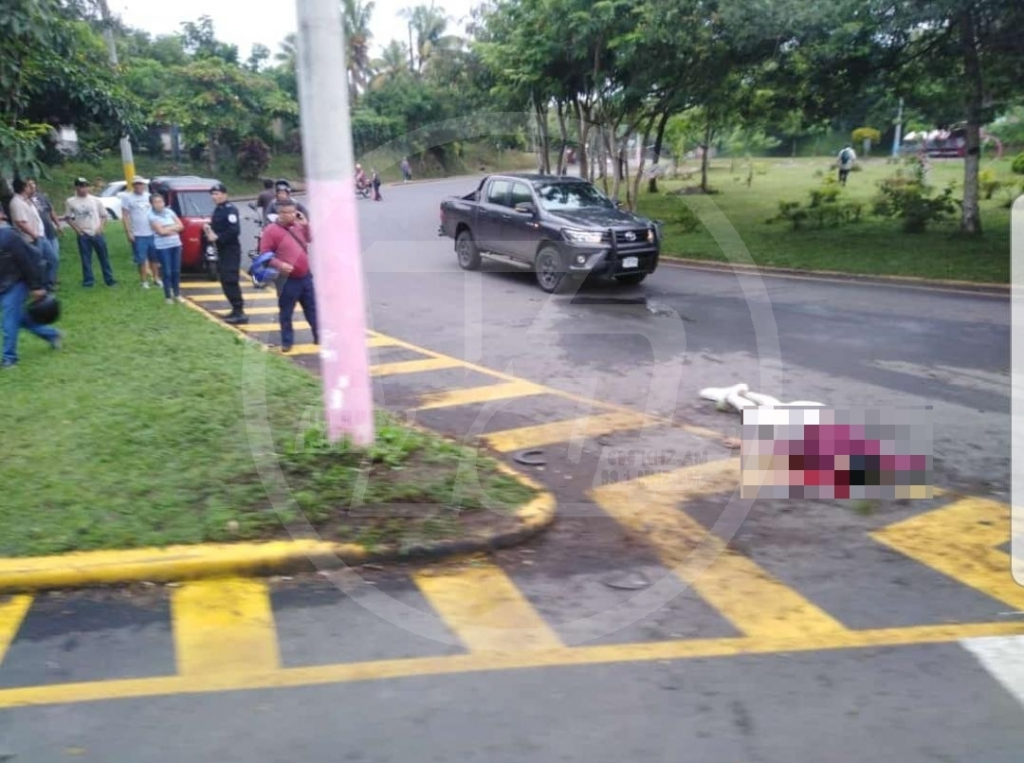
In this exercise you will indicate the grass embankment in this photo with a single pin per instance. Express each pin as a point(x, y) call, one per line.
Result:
point(872, 246)
point(135, 434)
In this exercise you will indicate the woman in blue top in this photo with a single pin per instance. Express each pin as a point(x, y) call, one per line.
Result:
point(167, 228)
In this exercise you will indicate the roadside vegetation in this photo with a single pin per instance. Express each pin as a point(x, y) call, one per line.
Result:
point(793, 214)
point(610, 88)
point(135, 434)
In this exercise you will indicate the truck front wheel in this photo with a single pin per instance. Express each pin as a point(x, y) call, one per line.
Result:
point(466, 249)
point(551, 275)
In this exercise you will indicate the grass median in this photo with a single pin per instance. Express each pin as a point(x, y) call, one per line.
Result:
point(872, 246)
point(136, 434)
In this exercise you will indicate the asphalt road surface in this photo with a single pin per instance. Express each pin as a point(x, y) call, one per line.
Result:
point(882, 631)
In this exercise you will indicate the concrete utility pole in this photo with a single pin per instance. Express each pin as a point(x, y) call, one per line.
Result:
point(336, 255)
point(899, 129)
point(127, 160)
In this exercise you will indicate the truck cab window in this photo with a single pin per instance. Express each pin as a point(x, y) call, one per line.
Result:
point(497, 192)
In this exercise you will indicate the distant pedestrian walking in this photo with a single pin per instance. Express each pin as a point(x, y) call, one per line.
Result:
point(406, 170)
point(846, 159)
point(376, 186)
point(289, 238)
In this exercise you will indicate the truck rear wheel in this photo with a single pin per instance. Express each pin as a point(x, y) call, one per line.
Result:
point(467, 251)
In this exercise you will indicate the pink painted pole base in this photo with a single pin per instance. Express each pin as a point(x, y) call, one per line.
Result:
point(341, 311)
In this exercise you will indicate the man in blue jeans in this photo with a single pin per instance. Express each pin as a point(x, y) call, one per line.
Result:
point(288, 238)
point(20, 277)
point(87, 216)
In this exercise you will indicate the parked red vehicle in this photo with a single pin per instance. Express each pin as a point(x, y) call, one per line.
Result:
point(189, 197)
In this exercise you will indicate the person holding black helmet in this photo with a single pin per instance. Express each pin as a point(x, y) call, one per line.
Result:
point(21, 277)
point(223, 230)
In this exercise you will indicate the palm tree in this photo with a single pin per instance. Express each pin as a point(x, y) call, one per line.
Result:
point(428, 25)
point(356, 15)
point(393, 61)
point(287, 55)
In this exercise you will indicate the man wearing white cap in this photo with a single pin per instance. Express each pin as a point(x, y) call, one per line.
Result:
point(135, 208)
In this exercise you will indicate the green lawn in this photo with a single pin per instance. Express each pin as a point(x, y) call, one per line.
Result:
point(135, 434)
point(871, 246)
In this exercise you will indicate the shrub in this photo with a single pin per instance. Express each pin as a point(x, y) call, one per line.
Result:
point(866, 136)
point(866, 133)
point(791, 211)
point(988, 183)
point(825, 209)
point(253, 158)
point(1018, 164)
point(912, 202)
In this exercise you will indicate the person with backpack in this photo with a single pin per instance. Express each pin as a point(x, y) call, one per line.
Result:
point(846, 159)
point(289, 238)
point(21, 277)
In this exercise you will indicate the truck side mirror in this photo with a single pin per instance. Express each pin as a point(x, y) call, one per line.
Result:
point(526, 208)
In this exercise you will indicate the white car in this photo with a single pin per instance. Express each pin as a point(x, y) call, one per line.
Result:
point(111, 199)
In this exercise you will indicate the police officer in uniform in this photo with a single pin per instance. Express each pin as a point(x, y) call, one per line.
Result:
point(223, 230)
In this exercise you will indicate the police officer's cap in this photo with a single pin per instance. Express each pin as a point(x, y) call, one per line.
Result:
point(219, 187)
point(283, 185)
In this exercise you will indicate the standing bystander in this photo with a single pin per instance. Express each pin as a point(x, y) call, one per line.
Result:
point(87, 216)
point(263, 200)
point(223, 230)
point(29, 225)
point(51, 229)
point(168, 227)
point(135, 209)
point(288, 238)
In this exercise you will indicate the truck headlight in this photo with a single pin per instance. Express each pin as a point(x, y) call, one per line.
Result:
point(650, 235)
point(582, 236)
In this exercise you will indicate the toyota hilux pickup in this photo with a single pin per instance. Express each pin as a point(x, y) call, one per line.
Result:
point(562, 228)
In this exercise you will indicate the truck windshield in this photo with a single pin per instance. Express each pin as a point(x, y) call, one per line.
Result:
point(564, 196)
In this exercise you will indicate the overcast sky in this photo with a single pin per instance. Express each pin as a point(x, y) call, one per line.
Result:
point(245, 22)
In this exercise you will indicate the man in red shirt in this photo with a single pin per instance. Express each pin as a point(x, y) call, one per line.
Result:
point(289, 238)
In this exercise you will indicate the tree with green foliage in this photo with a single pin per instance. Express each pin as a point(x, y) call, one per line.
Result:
point(54, 71)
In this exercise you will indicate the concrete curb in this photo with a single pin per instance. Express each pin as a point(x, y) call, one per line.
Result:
point(836, 275)
point(211, 560)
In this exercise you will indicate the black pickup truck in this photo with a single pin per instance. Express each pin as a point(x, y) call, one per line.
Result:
point(563, 228)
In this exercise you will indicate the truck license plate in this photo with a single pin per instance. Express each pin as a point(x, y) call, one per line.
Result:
point(630, 262)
